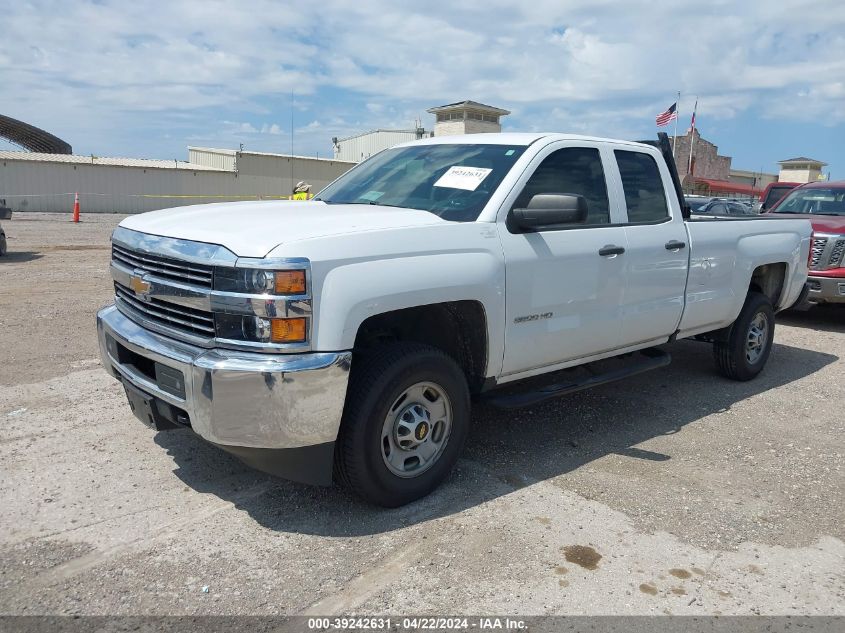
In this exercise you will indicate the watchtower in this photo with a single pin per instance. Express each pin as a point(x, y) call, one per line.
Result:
point(466, 117)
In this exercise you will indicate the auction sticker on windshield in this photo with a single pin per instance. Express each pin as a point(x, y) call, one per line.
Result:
point(460, 177)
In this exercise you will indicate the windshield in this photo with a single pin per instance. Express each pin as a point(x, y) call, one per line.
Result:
point(451, 181)
point(819, 201)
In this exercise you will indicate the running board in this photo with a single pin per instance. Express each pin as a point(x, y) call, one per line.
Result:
point(652, 358)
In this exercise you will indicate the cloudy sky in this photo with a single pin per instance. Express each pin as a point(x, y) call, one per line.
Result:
point(146, 79)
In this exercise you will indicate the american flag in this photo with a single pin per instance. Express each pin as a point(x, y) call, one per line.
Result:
point(670, 115)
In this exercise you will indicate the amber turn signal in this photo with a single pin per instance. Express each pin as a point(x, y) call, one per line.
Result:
point(287, 330)
point(290, 282)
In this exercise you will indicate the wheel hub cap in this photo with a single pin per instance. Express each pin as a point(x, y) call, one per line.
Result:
point(757, 339)
point(416, 429)
point(412, 426)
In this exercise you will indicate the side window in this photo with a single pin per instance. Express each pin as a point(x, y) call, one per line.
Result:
point(573, 170)
point(644, 194)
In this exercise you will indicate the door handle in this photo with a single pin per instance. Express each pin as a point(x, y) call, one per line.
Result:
point(675, 245)
point(611, 250)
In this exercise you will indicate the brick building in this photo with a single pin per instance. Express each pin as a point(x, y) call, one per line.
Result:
point(710, 174)
point(706, 161)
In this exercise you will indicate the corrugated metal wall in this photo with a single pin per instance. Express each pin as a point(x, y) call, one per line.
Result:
point(45, 186)
point(219, 159)
point(361, 147)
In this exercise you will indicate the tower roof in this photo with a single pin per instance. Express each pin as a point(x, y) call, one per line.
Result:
point(463, 105)
point(801, 159)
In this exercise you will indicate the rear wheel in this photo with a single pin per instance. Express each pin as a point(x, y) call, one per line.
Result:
point(2, 243)
point(405, 423)
point(749, 342)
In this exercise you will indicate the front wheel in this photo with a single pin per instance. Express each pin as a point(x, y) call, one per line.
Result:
point(404, 425)
point(750, 339)
point(2, 243)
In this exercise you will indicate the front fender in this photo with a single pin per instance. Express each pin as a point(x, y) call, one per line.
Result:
point(353, 292)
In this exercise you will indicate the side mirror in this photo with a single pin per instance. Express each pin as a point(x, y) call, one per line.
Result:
point(547, 211)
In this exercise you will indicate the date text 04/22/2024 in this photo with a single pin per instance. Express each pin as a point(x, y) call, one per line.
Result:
point(415, 624)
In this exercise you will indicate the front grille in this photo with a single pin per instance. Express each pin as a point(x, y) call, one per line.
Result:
point(172, 269)
point(836, 254)
point(166, 314)
point(816, 252)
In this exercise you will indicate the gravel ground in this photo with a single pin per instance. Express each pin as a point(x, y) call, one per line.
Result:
point(674, 492)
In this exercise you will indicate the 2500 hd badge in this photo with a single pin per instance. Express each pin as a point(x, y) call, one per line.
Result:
point(533, 317)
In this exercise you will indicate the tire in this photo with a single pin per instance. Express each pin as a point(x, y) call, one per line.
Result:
point(749, 341)
point(2, 244)
point(381, 409)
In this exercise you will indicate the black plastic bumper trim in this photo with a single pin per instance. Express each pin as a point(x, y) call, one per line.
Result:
point(306, 464)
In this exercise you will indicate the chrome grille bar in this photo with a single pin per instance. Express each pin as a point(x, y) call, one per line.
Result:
point(816, 251)
point(195, 274)
point(169, 314)
point(827, 251)
point(836, 254)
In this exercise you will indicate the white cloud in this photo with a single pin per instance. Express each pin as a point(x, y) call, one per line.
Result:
point(273, 129)
point(114, 74)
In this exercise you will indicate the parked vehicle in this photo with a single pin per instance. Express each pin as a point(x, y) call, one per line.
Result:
point(725, 208)
point(344, 338)
point(773, 193)
point(5, 214)
point(823, 204)
point(696, 202)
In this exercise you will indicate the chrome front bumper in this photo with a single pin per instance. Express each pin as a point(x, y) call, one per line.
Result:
point(234, 399)
point(826, 289)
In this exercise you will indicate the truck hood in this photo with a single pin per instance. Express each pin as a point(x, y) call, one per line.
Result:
point(821, 223)
point(253, 229)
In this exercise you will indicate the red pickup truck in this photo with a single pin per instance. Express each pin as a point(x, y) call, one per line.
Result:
point(823, 204)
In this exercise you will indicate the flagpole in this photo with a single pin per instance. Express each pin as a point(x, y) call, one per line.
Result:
point(677, 116)
point(692, 137)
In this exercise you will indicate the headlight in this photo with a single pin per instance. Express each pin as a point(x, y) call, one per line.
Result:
point(260, 282)
point(256, 329)
point(274, 288)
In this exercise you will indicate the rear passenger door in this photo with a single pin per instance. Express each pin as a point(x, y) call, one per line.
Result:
point(657, 252)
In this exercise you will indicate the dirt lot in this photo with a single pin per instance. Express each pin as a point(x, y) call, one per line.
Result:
point(674, 492)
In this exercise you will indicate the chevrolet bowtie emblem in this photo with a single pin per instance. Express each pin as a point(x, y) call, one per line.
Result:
point(139, 285)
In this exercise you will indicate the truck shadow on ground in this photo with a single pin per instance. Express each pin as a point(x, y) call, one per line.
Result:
point(825, 318)
point(506, 450)
point(16, 257)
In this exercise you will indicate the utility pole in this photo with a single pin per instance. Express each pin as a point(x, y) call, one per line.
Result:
point(292, 181)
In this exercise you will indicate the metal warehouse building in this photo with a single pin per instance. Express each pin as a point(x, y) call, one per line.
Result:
point(361, 146)
point(32, 181)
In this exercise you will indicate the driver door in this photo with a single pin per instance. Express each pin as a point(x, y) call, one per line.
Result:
point(564, 297)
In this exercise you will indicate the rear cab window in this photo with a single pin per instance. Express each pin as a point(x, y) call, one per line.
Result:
point(645, 196)
point(775, 194)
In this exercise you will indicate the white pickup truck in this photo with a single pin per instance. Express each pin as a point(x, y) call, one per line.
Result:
point(343, 338)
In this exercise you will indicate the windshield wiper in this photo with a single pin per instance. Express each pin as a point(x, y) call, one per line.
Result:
point(382, 204)
point(368, 202)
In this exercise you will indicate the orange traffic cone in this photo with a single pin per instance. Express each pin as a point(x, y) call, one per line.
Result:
point(76, 208)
